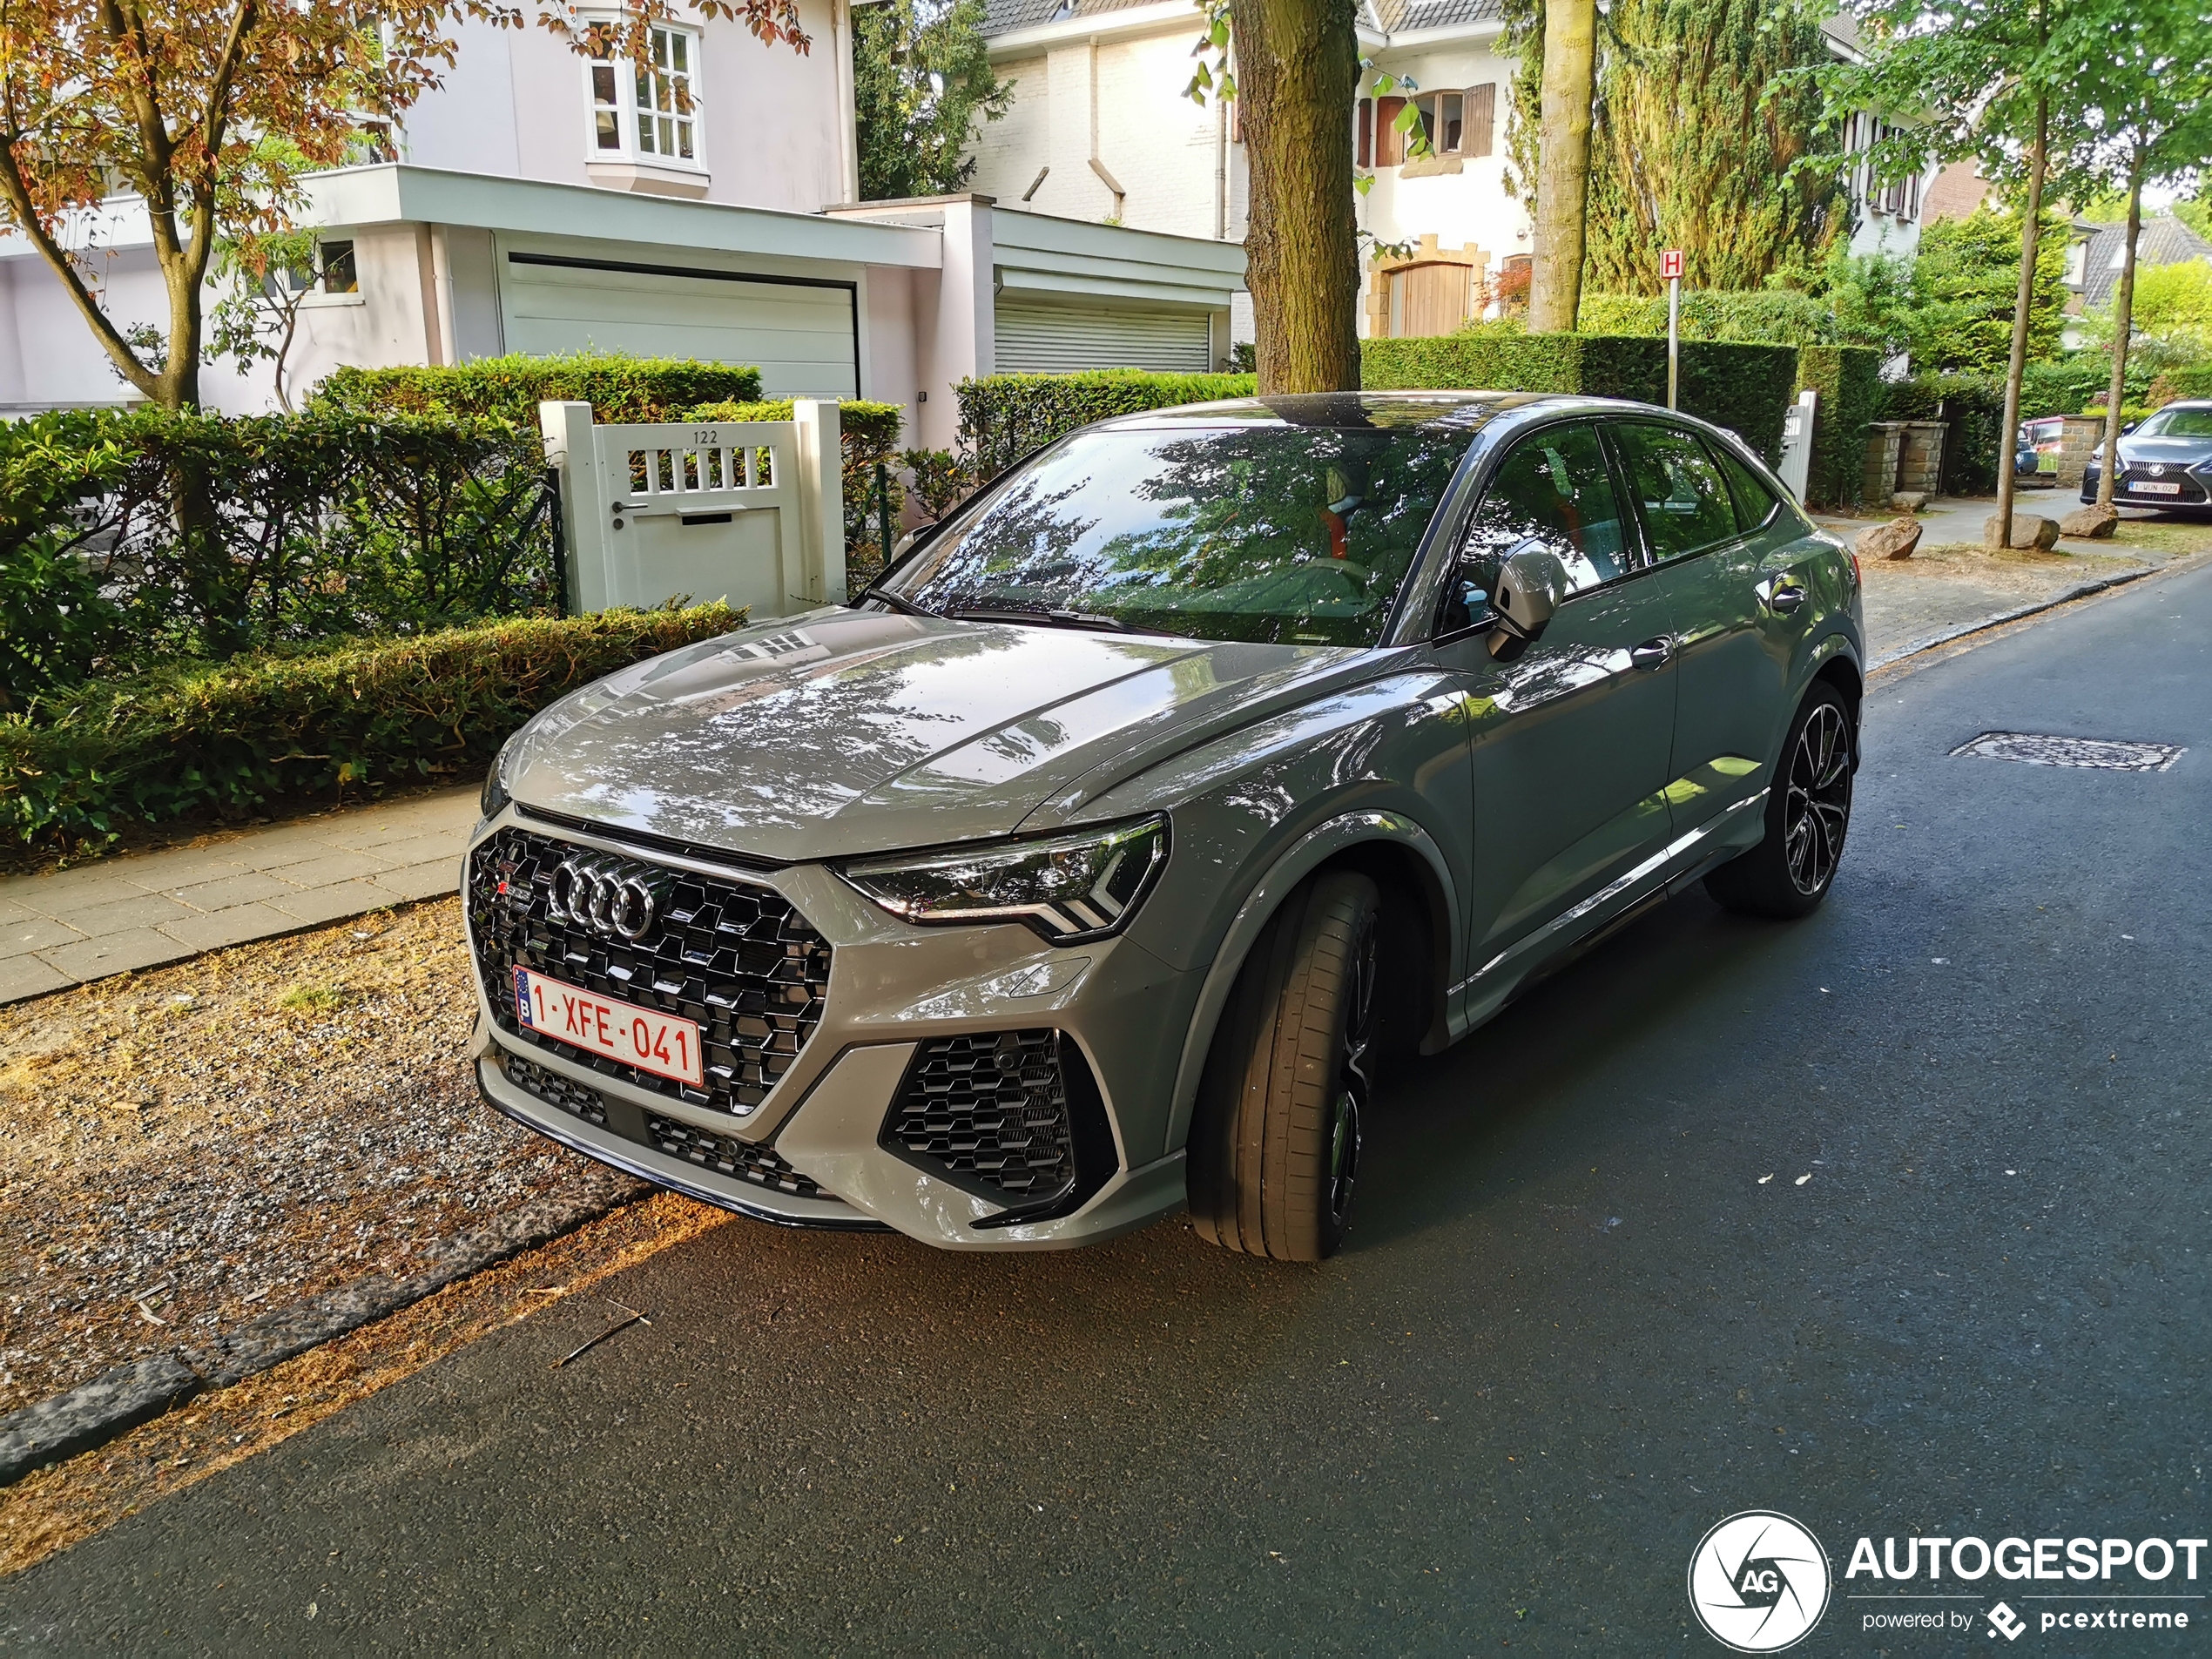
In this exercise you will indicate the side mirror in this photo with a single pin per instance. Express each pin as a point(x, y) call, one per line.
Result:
point(1531, 585)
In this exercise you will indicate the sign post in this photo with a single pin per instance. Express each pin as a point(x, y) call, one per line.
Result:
point(1670, 268)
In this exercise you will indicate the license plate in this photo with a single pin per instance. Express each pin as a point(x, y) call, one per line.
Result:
point(665, 1044)
point(2154, 489)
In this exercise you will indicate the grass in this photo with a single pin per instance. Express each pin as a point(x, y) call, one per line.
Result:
point(313, 999)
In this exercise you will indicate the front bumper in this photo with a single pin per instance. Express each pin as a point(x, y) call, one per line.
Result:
point(826, 1146)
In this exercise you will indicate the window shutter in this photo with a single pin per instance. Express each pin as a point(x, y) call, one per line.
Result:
point(1481, 117)
point(1363, 142)
point(1389, 141)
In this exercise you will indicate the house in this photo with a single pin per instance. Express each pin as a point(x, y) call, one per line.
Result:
point(700, 205)
point(2096, 254)
point(1100, 128)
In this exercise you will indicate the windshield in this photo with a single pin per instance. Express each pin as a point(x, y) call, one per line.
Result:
point(1270, 534)
point(2177, 423)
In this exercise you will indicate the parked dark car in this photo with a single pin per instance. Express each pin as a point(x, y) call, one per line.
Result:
point(2165, 461)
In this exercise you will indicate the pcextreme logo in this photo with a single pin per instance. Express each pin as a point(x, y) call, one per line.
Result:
point(1758, 1582)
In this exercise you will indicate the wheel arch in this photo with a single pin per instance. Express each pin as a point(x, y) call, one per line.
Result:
point(1838, 668)
point(1390, 848)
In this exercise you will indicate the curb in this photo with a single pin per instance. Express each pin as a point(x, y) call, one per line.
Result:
point(92, 1413)
point(2082, 591)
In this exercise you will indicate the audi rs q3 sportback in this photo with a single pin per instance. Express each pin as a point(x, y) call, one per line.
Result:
point(1082, 869)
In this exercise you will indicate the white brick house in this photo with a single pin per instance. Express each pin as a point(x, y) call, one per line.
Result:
point(540, 203)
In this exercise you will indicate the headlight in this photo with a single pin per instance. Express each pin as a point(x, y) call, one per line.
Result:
point(494, 796)
point(1071, 887)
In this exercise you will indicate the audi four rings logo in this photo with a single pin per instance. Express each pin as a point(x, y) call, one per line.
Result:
point(605, 895)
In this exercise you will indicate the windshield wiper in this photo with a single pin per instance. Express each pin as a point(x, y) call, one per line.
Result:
point(894, 602)
point(1046, 618)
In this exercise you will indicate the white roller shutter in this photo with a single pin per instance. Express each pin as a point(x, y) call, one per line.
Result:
point(1034, 338)
point(802, 336)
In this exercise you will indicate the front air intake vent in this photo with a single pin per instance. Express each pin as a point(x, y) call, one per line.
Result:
point(1011, 1115)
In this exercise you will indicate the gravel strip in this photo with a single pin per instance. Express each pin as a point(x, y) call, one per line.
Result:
point(203, 1156)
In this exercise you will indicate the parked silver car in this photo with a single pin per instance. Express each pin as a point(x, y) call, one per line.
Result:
point(1085, 866)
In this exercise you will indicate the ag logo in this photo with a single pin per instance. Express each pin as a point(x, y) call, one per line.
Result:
point(1758, 1582)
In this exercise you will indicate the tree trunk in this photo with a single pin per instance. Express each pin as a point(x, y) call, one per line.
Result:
point(1297, 67)
point(1563, 163)
point(2123, 320)
point(2023, 307)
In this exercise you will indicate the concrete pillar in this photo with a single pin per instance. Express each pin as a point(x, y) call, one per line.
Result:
point(956, 322)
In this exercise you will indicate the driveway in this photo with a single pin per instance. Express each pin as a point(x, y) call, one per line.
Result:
point(1888, 1220)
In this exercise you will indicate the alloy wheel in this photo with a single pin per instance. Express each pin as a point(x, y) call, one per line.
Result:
point(1816, 808)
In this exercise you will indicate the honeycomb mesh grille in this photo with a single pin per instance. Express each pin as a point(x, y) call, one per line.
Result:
point(736, 958)
point(991, 1108)
point(578, 1100)
point(725, 1155)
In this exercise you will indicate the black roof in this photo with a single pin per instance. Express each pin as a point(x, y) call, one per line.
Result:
point(2163, 240)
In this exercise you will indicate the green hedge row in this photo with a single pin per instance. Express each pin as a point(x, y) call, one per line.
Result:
point(620, 389)
point(205, 742)
point(1746, 388)
point(1971, 409)
point(1779, 316)
point(1002, 417)
point(126, 537)
point(1848, 380)
point(2193, 380)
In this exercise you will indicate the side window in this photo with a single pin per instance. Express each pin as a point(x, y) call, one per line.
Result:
point(1552, 489)
point(1755, 504)
point(1686, 507)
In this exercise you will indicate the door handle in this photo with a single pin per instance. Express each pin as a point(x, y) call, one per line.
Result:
point(1653, 654)
point(1783, 597)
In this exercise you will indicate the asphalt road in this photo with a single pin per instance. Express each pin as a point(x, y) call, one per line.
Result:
point(1575, 1326)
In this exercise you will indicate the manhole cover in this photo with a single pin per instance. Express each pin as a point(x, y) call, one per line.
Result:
point(2073, 751)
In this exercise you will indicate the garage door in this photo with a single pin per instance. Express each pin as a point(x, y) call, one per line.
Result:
point(801, 335)
point(1034, 339)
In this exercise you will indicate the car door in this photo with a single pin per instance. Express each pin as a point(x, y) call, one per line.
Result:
point(1731, 559)
point(1569, 735)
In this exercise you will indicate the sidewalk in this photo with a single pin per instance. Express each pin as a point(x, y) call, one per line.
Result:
point(143, 909)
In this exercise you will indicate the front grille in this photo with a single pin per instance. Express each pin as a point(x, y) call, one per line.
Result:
point(992, 1108)
point(736, 958)
point(726, 1155)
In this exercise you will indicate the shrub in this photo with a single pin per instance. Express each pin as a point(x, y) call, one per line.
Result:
point(1744, 386)
point(209, 741)
point(197, 536)
point(1848, 380)
point(2192, 380)
point(867, 435)
point(1775, 316)
point(620, 389)
point(1003, 417)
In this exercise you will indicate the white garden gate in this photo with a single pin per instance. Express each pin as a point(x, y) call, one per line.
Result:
point(749, 511)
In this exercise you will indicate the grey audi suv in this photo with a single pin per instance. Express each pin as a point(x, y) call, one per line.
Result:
point(1087, 866)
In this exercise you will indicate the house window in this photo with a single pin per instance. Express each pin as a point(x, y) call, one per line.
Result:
point(1455, 123)
point(648, 110)
point(339, 275)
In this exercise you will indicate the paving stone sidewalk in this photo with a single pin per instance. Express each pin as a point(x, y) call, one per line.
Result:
point(143, 909)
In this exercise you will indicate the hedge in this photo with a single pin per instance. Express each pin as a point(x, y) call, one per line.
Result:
point(620, 389)
point(1849, 382)
point(220, 741)
point(1746, 388)
point(867, 433)
point(1776, 316)
point(2194, 381)
point(1002, 417)
point(138, 535)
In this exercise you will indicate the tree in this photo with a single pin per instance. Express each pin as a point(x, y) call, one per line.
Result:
point(209, 114)
point(1963, 282)
point(921, 83)
point(1980, 76)
point(1696, 135)
point(1569, 88)
point(2146, 81)
point(1297, 69)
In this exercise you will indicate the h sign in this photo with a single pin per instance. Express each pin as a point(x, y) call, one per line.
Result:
point(1671, 264)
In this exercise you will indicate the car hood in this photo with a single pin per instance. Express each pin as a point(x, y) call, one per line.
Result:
point(2174, 452)
point(848, 732)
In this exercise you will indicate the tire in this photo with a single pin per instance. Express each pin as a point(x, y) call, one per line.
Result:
point(1275, 1137)
point(1808, 815)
